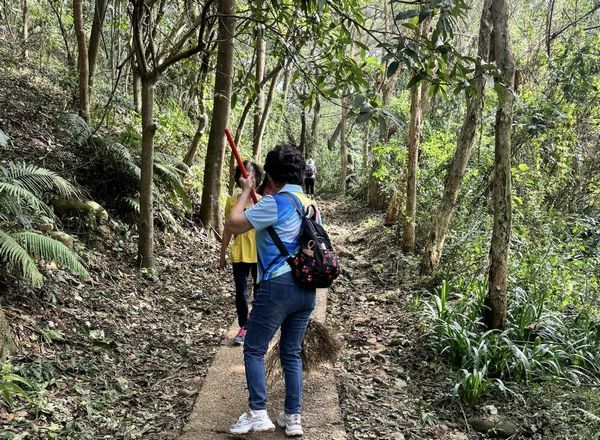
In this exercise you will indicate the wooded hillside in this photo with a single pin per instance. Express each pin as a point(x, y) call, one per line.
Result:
point(457, 141)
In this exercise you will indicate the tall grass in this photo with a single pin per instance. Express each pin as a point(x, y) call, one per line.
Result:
point(539, 341)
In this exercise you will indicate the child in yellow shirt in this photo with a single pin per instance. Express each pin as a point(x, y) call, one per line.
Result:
point(242, 254)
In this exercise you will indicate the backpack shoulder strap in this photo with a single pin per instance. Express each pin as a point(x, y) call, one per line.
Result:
point(271, 230)
point(275, 237)
point(295, 203)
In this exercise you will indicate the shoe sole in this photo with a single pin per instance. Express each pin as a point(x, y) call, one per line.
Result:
point(270, 428)
point(289, 434)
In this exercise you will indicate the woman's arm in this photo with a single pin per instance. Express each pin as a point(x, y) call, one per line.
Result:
point(224, 245)
point(237, 223)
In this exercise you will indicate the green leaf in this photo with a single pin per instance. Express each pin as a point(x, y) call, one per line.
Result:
point(45, 247)
point(414, 81)
point(407, 15)
point(500, 92)
point(15, 255)
point(392, 68)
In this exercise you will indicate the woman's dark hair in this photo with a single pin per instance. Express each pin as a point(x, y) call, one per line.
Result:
point(259, 173)
point(285, 164)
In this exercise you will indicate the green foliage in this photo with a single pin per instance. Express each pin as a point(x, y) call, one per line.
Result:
point(11, 386)
point(538, 343)
point(22, 188)
point(116, 171)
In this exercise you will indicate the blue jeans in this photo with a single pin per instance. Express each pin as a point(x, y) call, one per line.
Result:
point(279, 302)
point(240, 276)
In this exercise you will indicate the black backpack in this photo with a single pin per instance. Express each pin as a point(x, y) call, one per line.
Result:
point(316, 265)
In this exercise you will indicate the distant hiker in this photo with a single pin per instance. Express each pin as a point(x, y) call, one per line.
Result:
point(309, 177)
point(280, 301)
point(242, 255)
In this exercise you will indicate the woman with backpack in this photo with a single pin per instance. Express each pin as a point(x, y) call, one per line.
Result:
point(280, 300)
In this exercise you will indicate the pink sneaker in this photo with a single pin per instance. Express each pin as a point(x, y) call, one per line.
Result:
point(241, 335)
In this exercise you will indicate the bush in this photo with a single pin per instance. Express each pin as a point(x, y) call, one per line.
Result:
point(538, 343)
point(22, 188)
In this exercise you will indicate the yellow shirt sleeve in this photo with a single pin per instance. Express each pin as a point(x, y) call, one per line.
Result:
point(231, 201)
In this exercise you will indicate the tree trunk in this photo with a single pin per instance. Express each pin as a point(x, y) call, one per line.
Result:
point(312, 143)
point(303, 127)
point(334, 136)
point(211, 190)
point(343, 153)
point(443, 214)
point(203, 117)
point(6, 338)
point(99, 15)
point(418, 104)
point(146, 221)
point(495, 311)
point(82, 61)
point(25, 30)
point(414, 141)
point(265, 116)
point(365, 158)
point(261, 51)
point(64, 33)
point(137, 88)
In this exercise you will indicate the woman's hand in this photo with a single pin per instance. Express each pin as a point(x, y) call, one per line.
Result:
point(246, 184)
point(222, 262)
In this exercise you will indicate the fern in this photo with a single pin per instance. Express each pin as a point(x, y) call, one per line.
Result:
point(16, 256)
point(173, 179)
point(133, 203)
point(172, 160)
point(122, 156)
point(36, 180)
point(22, 186)
point(18, 196)
point(45, 247)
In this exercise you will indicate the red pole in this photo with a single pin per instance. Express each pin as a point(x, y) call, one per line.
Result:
point(239, 161)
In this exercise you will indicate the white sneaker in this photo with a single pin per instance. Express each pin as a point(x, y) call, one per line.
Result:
point(291, 422)
point(253, 420)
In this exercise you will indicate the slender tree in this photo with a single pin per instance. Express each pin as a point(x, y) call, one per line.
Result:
point(417, 112)
point(495, 310)
point(261, 59)
point(312, 143)
point(100, 7)
point(443, 213)
point(150, 70)
point(211, 189)
point(82, 61)
point(25, 29)
point(418, 104)
point(343, 152)
point(202, 116)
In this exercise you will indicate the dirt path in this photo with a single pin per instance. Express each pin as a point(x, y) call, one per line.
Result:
point(223, 397)
point(386, 380)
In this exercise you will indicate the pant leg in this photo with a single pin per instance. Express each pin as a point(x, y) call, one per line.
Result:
point(293, 329)
point(254, 273)
point(240, 276)
point(265, 319)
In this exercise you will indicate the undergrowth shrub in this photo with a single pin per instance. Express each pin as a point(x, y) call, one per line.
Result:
point(23, 211)
point(114, 175)
point(539, 342)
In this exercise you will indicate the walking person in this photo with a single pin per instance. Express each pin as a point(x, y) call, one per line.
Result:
point(309, 177)
point(242, 254)
point(280, 302)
